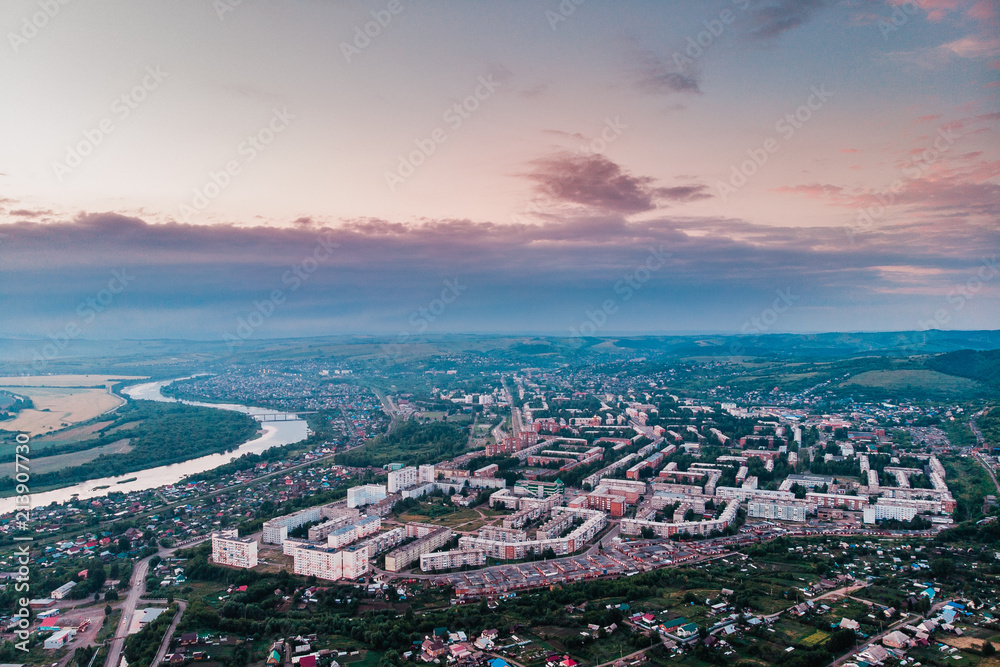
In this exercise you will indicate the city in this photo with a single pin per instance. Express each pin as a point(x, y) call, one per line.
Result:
point(507, 483)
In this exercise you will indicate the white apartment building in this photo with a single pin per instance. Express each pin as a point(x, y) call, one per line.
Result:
point(230, 549)
point(343, 517)
point(426, 474)
point(447, 560)
point(366, 494)
point(430, 539)
point(344, 535)
point(403, 478)
point(331, 564)
point(593, 522)
point(276, 529)
point(781, 511)
point(663, 529)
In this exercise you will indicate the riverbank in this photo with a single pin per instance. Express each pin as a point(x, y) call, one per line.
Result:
point(271, 434)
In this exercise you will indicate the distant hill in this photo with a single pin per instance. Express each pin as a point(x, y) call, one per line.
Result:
point(170, 357)
point(981, 365)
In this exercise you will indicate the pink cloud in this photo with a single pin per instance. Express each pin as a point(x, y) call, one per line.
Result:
point(936, 9)
point(984, 10)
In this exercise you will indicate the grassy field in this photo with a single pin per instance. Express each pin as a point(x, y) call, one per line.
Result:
point(970, 484)
point(926, 380)
point(60, 461)
point(455, 519)
point(70, 435)
point(815, 638)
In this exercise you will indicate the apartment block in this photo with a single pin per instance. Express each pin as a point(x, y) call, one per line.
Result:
point(780, 511)
point(406, 555)
point(447, 560)
point(366, 494)
point(403, 478)
point(276, 529)
point(230, 549)
point(331, 564)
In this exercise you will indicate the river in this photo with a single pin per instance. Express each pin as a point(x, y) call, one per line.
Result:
point(276, 433)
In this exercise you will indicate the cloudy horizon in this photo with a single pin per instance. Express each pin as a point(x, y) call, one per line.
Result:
point(270, 169)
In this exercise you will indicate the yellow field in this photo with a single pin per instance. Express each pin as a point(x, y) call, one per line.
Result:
point(814, 638)
point(60, 401)
point(65, 380)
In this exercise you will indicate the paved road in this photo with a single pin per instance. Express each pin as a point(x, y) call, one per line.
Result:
point(162, 652)
point(136, 591)
point(389, 408)
point(980, 441)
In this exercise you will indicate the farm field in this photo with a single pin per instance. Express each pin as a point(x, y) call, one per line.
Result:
point(60, 401)
point(59, 407)
point(65, 380)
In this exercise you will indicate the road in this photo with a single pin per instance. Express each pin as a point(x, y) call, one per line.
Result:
point(162, 652)
point(137, 587)
point(622, 660)
point(389, 408)
point(989, 469)
point(844, 592)
point(980, 441)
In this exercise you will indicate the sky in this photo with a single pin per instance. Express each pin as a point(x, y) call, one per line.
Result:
point(232, 169)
